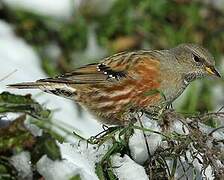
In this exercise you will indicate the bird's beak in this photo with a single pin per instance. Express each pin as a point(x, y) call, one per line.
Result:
point(212, 71)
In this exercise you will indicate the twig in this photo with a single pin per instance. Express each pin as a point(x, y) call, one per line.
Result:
point(184, 170)
point(146, 142)
point(216, 129)
point(8, 75)
point(220, 109)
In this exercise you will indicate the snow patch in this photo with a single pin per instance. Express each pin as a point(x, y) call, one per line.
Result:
point(57, 170)
point(16, 54)
point(137, 143)
point(61, 9)
point(84, 155)
point(35, 130)
point(127, 169)
point(21, 162)
point(5, 29)
point(179, 127)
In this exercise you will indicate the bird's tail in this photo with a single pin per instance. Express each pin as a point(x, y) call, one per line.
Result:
point(58, 88)
point(27, 85)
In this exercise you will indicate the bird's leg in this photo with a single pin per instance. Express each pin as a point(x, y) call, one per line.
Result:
point(129, 118)
point(167, 105)
point(161, 111)
point(153, 112)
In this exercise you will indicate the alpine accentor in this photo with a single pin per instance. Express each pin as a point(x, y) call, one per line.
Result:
point(130, 81)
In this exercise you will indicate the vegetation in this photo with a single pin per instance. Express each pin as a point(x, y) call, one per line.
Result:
point(128, 25)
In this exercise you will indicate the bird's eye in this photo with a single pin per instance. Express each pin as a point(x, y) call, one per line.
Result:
point(196, 58)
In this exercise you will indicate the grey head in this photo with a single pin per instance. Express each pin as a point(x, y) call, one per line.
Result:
point(194, 61)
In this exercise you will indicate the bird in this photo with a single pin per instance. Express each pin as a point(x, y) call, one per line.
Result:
point(129, 82)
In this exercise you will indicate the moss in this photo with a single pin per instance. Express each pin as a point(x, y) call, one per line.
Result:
point(15, 136)
point(18, 103)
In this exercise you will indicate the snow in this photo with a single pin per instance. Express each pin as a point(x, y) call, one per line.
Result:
point(5, 29)
point(26, 62)
point(138, 147)
point(35, 130)
point(57, 170)
point(84, 156)
point(61, 9)
point(15, 53)
point(178, 127)
point(21, 162)
point(219, 134)
point(194, 171)
point(72, 154)
point(137, 142)
point(78, 158)
point(127, 169)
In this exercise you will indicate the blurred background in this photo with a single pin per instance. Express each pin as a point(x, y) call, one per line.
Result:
point(43, 38)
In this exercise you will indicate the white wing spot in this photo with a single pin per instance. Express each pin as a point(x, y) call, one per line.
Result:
point(186, 82)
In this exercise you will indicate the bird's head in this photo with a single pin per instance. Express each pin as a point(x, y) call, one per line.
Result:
point(194, 61)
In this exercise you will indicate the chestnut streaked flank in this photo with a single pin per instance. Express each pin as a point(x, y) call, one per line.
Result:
point(122, 83)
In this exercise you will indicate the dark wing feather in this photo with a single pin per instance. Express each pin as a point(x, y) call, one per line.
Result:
point(77, 78)
point(122, 66)
point(109, 70)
